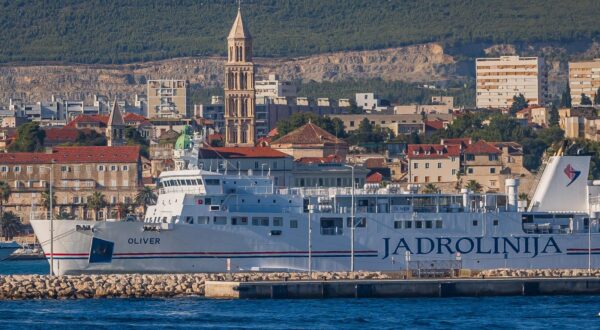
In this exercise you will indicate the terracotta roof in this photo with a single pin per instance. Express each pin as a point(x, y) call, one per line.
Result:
point(66, 134)
point(241, 152)
point(432, 151)
point(435, 124)
point(458, 141)
point(74, 155)
point(375, 163)
point(375, 177)
point(100, 119)
point(273, 133)
point(482, 148)
point(134, 117)
point(320, 160)
point(309, 134)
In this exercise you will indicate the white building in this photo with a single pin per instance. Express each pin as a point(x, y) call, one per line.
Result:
point(499, 79)
point(584, 78)
point(369, 102)
point(273, 88)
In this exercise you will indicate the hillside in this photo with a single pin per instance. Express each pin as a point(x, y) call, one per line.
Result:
point(111, 31)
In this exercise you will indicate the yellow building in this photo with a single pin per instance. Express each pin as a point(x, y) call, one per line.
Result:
point(584, 78)
point(167, 98)
point(499, 79)
point(433, 163)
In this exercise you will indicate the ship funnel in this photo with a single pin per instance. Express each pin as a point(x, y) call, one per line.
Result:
point(563, 186)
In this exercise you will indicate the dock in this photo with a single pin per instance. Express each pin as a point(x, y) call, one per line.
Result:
point(402, 288)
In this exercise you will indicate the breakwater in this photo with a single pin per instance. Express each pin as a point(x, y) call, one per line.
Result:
point(177, 285)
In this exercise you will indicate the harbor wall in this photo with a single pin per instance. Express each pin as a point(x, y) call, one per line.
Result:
point(290, 285)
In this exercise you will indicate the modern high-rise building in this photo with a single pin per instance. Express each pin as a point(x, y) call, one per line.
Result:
point(501, 78)
point(240, 98)
point(167, 98)
point(584, 78)
point(273, 88)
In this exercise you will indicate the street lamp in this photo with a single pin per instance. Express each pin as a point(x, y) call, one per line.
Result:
point(352, 224)
point(51, 197)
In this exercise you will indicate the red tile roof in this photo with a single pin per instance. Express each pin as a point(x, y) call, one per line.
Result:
point(375, 163)
point(375, 177)
point(74, 155)
point(432, 151)
point(241, 152)
point(434, 124)
point(59, 135)
point(482, 148)
point(134, 117)
point(320, 160)
point(101, 120)
point(273, 133)
point(459, 141)
point(309, 134)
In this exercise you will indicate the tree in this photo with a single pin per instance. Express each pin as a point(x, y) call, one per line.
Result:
point(29, 138)
point(5, 193)
point(597, 97)
point(565, 100)
point(64, 216)
point(46, 200)
point(474, 186)
point(96, 202)
point(554, 118)
point(334, 126)
point(145, 197)
point(431, 188)
point(585, 100)
point(519, 103)
point(10, 225)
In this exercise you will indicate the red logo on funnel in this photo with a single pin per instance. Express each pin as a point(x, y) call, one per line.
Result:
point(572, 174)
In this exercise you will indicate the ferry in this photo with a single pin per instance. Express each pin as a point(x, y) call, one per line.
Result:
point(7, 248)
point(205, 221)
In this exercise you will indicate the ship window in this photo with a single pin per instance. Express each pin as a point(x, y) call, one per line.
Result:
point(331, 226)
point(428, 224)
point(277, 221)
point(398, 224)
point(220, 220)
point(164, 219)
point(293, 223)
point(189, 220)
point(475, 222)
point(189, 182)
point(418, 224)
point(239, 221)
point(407, 224)
point(495, 222)
point(260, 221)
point(360, 222)
point(211, 182)
point(207, 201)
point(203, 220)
point(199, 182)
point(438, 223)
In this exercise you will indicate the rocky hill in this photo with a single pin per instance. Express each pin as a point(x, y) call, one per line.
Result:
point(426, 62)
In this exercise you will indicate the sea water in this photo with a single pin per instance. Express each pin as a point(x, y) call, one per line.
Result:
point(542, 312)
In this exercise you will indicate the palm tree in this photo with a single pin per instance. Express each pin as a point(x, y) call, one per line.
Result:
point(145, 197)
point(46, 200)
point(474, 186)
point(121, 210)
point(96, 202)
point(430, 188)
point(10, 225)
point(4, 195)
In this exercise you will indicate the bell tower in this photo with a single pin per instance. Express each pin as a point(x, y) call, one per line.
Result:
point(115, 127)
point(240, 97)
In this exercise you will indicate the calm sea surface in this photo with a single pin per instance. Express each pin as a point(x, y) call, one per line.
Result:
point(565, 312)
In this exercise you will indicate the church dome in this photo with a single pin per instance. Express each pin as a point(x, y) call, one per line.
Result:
point(184, 141)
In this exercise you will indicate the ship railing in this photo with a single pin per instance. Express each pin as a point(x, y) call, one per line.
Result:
point(257, 190)
point(181, 189)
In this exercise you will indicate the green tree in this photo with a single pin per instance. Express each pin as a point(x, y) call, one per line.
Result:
point(5, 193)
point(334, 126)
point(29, 138)
point(96, 202)
point(585, 100)
point(565, 100)
point(46, 200)
point(146, 196)
point(64, 216)
point(554, 118)
point(473, 186)
point(11, 225)
point(519, 103)
point(431, 188)
point(597, 97)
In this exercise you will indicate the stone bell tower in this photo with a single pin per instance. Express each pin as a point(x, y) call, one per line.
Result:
point(240, 97)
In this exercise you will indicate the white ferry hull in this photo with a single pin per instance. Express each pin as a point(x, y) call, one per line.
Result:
point(188, 248)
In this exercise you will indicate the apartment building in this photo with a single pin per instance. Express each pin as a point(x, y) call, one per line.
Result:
point(483, 163)
point(500, 79)
point(433, 163)
point(273, 88)
point(167, 98)
point(584, 78)
point(77, 172)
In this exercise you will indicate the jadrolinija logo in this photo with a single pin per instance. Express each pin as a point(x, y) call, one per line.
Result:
point(572, 174)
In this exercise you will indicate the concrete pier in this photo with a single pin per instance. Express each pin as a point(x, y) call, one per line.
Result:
point(403, 288)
